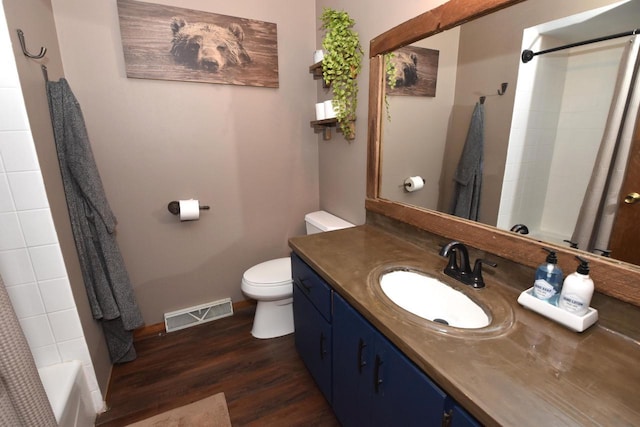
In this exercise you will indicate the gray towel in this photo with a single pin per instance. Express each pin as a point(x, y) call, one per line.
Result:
point(468, 176)
point(93, 223)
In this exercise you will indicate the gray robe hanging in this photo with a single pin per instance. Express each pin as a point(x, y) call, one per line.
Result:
point(468, 176)
point(105, 276)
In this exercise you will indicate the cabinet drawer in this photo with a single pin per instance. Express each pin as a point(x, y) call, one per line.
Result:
point(312, 285)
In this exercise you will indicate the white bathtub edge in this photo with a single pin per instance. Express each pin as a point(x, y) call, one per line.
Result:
point(68, 394)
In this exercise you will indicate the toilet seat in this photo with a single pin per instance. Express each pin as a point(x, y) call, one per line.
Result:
point(269, 280)
point(269, 273)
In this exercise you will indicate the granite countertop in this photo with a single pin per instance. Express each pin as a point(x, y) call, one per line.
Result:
point(522, 370)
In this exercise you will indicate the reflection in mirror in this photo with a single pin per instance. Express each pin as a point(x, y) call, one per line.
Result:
point(411, 139)
point(539, 156)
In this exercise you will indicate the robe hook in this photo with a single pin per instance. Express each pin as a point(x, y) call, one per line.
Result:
point(501, 91)
point(43, 50)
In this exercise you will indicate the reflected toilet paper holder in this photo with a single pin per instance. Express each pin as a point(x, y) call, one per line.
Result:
point(406, 184)
point(174, 207)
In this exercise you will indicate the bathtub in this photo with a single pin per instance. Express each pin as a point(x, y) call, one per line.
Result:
point(68, 394)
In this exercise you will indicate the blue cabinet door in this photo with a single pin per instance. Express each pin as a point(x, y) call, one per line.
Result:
point(374, 384)
point(353, 351)
point(403, 395)
point(313, 340)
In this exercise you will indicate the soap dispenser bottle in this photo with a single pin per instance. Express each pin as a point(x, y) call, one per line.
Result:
point(548, 282)
point(577, 290)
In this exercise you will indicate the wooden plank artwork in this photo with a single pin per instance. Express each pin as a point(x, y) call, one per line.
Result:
point(416, 71)
point(171, 43)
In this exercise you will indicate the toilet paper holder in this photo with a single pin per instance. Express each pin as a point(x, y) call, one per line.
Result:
point(406, 184)
point(174, 207)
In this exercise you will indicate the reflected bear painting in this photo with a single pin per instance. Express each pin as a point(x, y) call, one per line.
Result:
point(406, 69)
point(416, 71)
point(170, 43)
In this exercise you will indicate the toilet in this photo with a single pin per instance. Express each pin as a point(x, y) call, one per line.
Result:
point(271, 285)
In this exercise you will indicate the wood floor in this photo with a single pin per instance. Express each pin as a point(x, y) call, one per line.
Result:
point(264, 381)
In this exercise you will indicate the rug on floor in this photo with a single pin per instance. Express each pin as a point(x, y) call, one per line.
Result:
point(208, 412)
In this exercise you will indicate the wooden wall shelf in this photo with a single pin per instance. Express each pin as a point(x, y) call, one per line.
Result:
point(316, 70)
point(324, 126)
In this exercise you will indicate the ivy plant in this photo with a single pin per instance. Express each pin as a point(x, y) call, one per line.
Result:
point(390, 71)
point(341, 65)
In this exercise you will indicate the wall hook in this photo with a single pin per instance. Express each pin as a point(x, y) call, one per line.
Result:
point(501, 91)
point(43, 50)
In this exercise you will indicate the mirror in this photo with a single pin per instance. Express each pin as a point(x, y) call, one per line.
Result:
point(426, 135)
point(611, 277)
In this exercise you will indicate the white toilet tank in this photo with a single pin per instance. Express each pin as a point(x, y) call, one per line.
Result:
point(321, 221)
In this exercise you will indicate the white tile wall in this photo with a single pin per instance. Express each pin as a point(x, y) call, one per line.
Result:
point(586, 100)
point(565, 106)
point(31, 262)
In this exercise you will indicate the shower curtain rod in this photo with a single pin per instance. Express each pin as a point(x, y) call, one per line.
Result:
point(527, 55)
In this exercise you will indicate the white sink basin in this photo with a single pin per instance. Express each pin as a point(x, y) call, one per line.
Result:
point(432, 299)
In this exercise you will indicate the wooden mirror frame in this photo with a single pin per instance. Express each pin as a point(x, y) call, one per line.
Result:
point(614, 278)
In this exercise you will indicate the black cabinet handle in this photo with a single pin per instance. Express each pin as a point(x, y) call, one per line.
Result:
point(447, 418)
point(377, 379)
point(322, 349)
point(361, 363)
point(305, 287)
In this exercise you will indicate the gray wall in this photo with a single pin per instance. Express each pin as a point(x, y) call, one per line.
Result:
point(247, 152)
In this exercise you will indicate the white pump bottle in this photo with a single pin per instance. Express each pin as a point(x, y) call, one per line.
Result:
point(577, 290)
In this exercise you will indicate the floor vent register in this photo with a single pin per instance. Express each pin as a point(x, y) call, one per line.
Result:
point(192, 316)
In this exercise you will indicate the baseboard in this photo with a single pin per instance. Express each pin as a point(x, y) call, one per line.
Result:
point(156, 329)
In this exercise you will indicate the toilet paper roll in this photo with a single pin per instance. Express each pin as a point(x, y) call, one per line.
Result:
point(320, 111)
point(189, 210)
point(329, 111)
point(318, 56)
point(413, 183)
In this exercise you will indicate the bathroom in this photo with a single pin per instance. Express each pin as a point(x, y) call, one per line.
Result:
point(247, 152)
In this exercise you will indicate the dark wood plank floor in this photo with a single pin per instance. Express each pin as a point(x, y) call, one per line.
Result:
point(264, 381)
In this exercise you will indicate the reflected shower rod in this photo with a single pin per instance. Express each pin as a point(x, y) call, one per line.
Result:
point(527, 55)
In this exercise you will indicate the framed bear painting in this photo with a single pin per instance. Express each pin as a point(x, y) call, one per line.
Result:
point(416, 71)
point(171, 43)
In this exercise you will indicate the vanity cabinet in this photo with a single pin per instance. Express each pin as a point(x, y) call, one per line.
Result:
point(374, 384)
point(365, 378)
point(312, 319)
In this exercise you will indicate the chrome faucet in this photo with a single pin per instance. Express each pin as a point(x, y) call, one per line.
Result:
point(461, 270)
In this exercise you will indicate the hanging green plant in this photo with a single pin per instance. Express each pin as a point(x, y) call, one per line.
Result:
point(341, 66)
point(390, 71)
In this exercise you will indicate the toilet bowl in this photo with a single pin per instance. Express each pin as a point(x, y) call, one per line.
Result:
point(271, 285)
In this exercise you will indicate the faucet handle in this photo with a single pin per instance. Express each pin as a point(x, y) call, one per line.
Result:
point(478, 281)
point(452, 265)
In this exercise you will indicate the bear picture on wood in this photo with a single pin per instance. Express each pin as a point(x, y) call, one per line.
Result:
point(416, 71)
point(170, 43)
point(406, 69)
point(208, 47)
